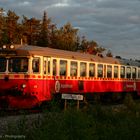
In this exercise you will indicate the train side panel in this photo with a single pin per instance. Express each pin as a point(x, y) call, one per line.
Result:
point(94, 86)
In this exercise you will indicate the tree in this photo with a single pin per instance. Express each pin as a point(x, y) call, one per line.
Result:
point(31, 28)
point(84, 44)
point(90, 47)
point(45, 32)
point(2, 26)
point(1, 21)
point(109, 54)
point(11, 23)
point(66, 38)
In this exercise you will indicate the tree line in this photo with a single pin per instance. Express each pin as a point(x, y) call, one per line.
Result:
point(15, 29)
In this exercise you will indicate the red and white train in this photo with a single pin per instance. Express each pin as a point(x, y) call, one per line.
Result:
point(30, 75)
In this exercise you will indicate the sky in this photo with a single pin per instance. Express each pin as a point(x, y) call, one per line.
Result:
point(113, 24)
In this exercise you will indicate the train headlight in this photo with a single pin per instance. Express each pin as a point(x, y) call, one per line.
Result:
point(4, 46)
point(23, 85)
point(12, 47)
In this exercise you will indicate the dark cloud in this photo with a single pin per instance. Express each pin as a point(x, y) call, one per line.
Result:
point(113, 24)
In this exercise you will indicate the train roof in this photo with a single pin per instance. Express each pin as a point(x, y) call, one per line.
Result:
point(27, 50)
point(46, 51)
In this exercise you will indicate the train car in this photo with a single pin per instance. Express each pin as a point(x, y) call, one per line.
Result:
point(30, 75)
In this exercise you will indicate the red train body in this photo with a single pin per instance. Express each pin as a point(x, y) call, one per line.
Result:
point(30, 75)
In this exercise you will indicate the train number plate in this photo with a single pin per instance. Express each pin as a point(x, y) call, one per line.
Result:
point(72, 97)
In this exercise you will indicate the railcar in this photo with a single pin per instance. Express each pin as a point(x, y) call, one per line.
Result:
point(30, 75)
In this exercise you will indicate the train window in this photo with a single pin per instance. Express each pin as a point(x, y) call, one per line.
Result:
point(128, 72)
point(91, 70)
point(105, 67)
point(82, 69)
point(133, 73)
point(54, 66)
point(116, 69)
point(48, 65)
point(63, 67)
point(45, 65)
point(73, 68)
point(17, 64)
point(122, 72)
point(35, 64)
point(139, 73)
point(100, 70)
point(2, 64)
point(109, 71)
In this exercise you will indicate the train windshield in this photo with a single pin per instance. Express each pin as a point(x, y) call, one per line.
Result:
point(2, 64)
point(18, 64)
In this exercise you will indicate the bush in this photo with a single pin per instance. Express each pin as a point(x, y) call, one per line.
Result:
point(95, 123)
point(129, 102)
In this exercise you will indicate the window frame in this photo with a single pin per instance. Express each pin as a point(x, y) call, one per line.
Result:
point(20, 69)
point(83, 73)
point(94, 67)
point(138, 72)
point(101, 76)
point(54, 67)
point(128, 76)
point(109, 76)
point(123, 71)
point(5, 65)
point(60, 68)
point(71, 74)
point(114, 72)
point(134, 76)
point(39, 65)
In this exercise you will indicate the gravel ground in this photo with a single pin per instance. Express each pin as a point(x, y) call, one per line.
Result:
point(7, 121)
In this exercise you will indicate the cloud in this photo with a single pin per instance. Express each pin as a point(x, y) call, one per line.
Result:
point(24, 3)
point(113, 24)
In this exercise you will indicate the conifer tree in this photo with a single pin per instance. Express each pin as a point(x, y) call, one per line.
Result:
point(11, 25)
point(45, 32)
point(31, 28)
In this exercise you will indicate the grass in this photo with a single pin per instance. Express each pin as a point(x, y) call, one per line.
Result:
point(92, 123)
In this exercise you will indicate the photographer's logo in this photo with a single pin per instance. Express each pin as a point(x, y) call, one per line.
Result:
point(12, 136)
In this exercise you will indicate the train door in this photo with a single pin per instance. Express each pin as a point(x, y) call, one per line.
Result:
point(46, 80)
